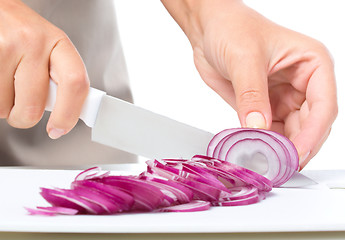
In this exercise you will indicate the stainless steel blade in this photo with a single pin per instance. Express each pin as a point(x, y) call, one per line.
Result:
point(333, 179)
point(298, 180)
point(136, 130)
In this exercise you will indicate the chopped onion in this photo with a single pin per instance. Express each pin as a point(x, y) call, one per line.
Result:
point(240, 168)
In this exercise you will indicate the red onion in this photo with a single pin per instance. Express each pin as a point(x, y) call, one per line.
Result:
point(265, 152)
point(241, 166)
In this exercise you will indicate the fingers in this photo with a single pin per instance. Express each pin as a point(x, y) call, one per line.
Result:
point(319, 113)
point(24, 87)
point(7, 69)
point(30, 89)
point(68, 71)
point(249, 80)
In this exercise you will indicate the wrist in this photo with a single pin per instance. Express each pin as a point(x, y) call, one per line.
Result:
point(194, 15)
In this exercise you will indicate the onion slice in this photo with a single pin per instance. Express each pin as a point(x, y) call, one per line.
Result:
point(238, 202)
point(52, 211)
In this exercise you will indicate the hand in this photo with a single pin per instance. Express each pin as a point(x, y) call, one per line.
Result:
point(273, 77)
point(31, 51)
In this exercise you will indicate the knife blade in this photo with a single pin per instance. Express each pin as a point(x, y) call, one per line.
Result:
point(133, 129)
point(125, 126)
point(298, 180)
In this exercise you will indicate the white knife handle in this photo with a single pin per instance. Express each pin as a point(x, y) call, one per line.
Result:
point(90, 107)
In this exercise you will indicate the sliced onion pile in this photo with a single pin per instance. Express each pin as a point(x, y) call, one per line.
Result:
point(170, 185)
point(226, 177)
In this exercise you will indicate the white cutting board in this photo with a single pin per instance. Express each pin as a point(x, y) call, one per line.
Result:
point(284, 210)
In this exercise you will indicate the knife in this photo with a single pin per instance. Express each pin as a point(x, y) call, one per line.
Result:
point(125, 126)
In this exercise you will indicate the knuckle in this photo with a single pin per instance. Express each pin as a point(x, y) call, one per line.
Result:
point(60, 34)
point(77, 81)
point(7, 48)
point(249, 97)
point(320, 47)
point(27, 34)
point(323, 53)
point(246, 51)
point(31, 38)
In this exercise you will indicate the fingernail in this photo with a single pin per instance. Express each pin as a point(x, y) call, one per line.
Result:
point(255, 120)
point(55, 133)
point(304, 157)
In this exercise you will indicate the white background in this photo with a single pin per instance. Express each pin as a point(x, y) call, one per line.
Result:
point(164, 79)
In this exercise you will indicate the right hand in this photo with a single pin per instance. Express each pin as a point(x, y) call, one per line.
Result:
point(32, 50)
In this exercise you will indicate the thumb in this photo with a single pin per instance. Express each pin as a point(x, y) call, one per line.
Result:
point(251, 93)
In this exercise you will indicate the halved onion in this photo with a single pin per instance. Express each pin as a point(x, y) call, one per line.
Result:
point(265, 152)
